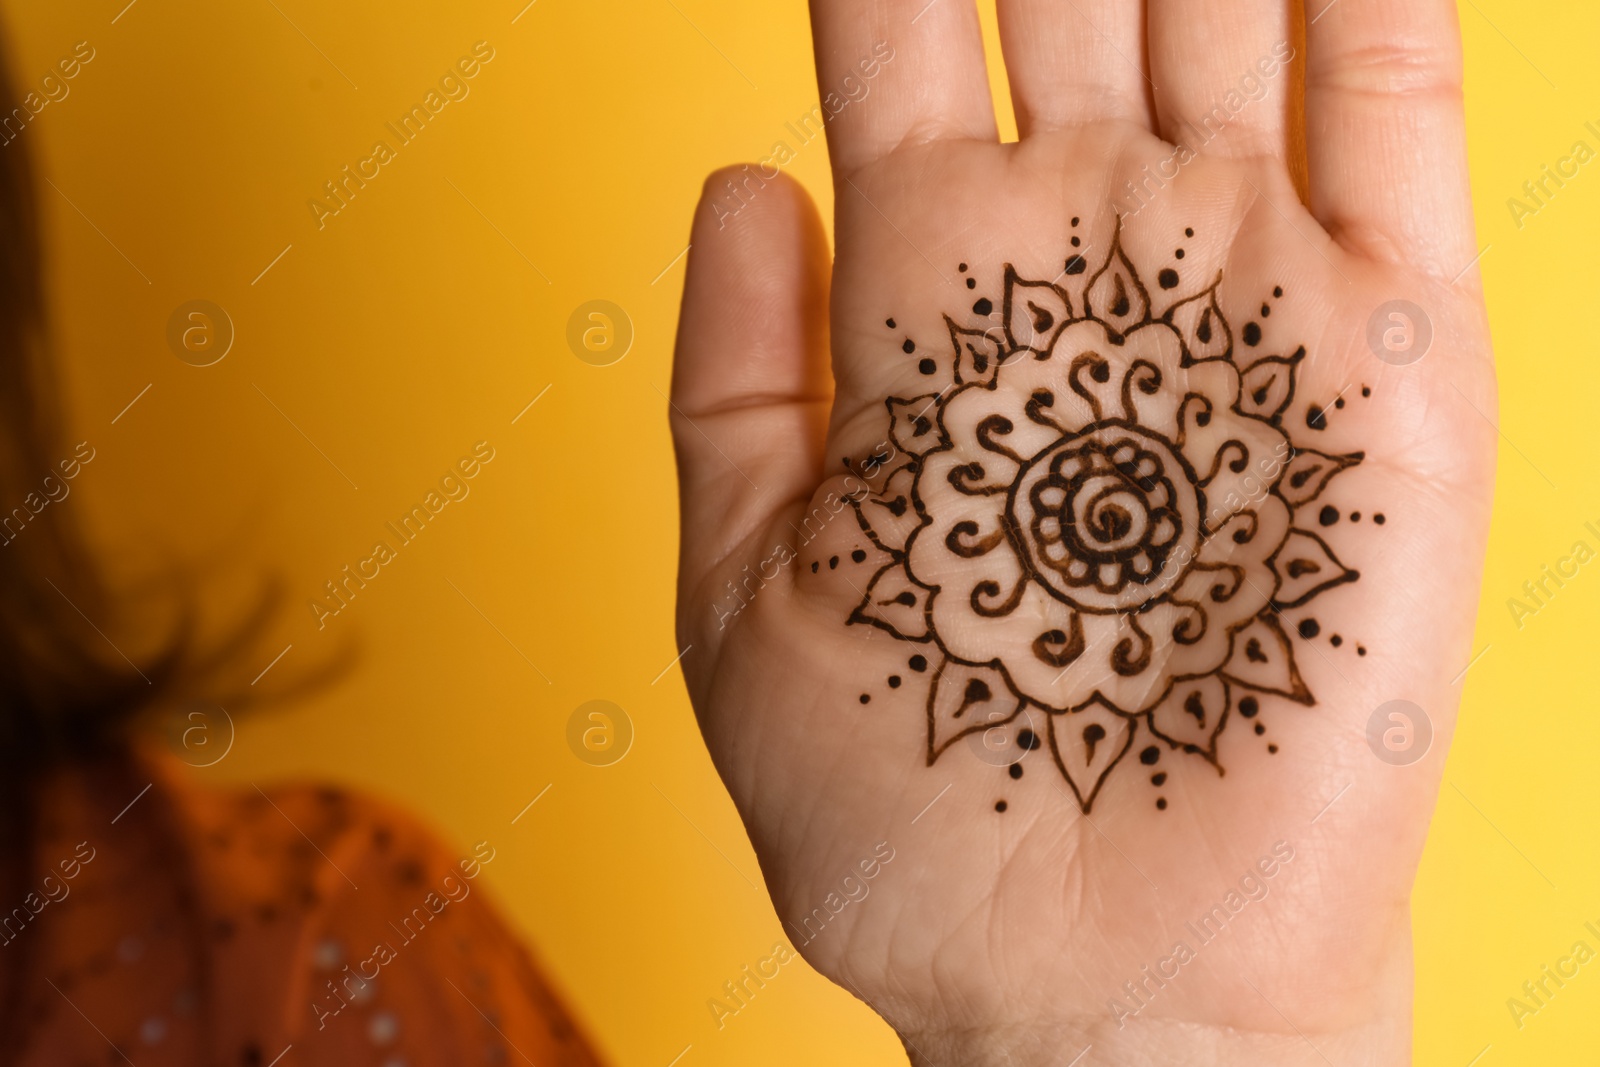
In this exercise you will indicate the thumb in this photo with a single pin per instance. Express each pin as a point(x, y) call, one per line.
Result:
point(751, 387)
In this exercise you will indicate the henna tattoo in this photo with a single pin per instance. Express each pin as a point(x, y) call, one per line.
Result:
point(1099, 518)
point(1059, 649)
point(988, 590)
point(963, 540)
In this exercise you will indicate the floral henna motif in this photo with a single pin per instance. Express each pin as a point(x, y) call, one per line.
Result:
point(1093, 526)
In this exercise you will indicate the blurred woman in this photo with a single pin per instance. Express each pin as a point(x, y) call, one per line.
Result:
point(146, 920)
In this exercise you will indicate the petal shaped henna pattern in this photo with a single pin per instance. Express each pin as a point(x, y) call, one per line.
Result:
point(1093, 526)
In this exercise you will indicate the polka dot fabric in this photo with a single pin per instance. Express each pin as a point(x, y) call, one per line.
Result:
point(294, 926)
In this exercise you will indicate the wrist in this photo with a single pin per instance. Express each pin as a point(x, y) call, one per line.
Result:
point(1382, 1042)
point(1306, 1023)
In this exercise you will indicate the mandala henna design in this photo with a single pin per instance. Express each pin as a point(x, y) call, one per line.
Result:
point(1097, 522)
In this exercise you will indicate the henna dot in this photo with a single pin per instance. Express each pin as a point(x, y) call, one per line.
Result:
point(1252, 334)
point(1075, 220)
point(919, 663)
point(1272, 749)
point(1149, 755)
point(1379, 519)
point(1076, 264)
point(1339, 403)
point(1335, 640)
point(1100, 372)
point(1203, 419)
point(972, 283)
point(1266, 312)
point(983, 307)
point(1076, 242)
point(1159, 778)
point(962, 268)
point(1000, 806)
point(889, 323)
point(1028, 740)
point(1329, 515)
point(833, 562)
point(866, 698)
point(1161, 803)
point(860, 556)
point(1366, 390)
point(909, 347)
point(927, 366)
point(1260, 729)
point(894, 681)
point(1309, 628)
point(1248, 707)
point(1168, 278)
point(1355, 516)
point(1361, 650)
point(1015, 770)
point(1189, 232)
point(1316, 418)
point(1277, 290)
point(815, 564)
point(1178, 254)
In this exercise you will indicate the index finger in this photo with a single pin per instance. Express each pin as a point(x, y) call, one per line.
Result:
point(898, 72)
point(1385, 130)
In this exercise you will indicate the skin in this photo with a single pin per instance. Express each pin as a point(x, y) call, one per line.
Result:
point(994, 938)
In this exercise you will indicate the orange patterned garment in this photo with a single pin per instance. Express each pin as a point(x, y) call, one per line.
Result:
point(292, 927)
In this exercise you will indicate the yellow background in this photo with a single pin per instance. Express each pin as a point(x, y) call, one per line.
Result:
point(433, 308)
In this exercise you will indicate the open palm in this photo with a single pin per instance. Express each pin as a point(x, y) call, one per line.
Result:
point(1049, 641)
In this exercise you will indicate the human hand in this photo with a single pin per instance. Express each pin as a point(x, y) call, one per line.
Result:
point(1066, 599)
